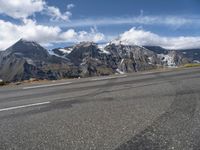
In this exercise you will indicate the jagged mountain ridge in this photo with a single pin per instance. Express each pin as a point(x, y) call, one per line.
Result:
point(27, 59)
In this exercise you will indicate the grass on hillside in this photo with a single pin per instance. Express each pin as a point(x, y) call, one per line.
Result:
point(2, 83)
point(191, 65)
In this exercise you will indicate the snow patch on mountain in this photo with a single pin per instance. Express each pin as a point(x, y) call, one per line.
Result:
point(66, 51)
point(119, 71)
point(167, 60)
point(102, 49)
point(196, 61)
point(54, 54)
point(150, 60)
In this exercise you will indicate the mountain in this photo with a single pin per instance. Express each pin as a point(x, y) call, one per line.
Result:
point(93, 59)
point(90, 59)
point(96, 60)
point(83, 50)
point(26, 59)
point(157, 49)
point(192, 54)
point(130, 58)
point(28, 49)
point(173, 58)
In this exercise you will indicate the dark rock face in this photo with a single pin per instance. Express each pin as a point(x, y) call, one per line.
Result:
point(88, 57)
point(29, 50)
point(25, 60)
point(83, 50)
point(157, 49)
point(192, 54)
point(11, 67)
point(132, 58)
point(114, 58)
point(94, 67)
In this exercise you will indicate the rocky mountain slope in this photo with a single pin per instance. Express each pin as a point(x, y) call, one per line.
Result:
point(27, 59)
point(192, 54)
point(111, 58)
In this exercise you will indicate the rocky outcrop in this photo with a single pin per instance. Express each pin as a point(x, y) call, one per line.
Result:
point(90, 60)
point(82, 51)
point(132, 58)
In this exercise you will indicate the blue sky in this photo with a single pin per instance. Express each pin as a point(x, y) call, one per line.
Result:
point(94, 8)
point(57, 23)
point(98, 9)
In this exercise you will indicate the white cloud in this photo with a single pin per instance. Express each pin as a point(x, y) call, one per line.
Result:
point(56, 15)
point(21, 9)
point(72, 36)
point(93, 34)
point(45, 35)
point(48, 35)
point(70, 6)
point(31, 30)
point(172, 21)
point(141, 37)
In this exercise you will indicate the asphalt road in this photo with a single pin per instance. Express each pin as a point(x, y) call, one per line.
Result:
point(142, 111)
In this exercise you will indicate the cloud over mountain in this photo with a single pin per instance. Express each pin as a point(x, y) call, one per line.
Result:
point(142, 37)
point(46, 35)
point(51, 22)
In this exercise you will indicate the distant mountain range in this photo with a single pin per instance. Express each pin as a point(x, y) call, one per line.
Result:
point(26, 59)
point(192, 54)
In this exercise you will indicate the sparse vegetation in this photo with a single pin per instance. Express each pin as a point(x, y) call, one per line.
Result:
point(104, 71)
point(2, 83)
point(192, 65)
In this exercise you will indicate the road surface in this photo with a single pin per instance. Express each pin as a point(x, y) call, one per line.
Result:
point(141, 111)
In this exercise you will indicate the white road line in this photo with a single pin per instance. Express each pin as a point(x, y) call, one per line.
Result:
point(107, 78)
point(46, 85)
point(23, 106)
point(144, 73)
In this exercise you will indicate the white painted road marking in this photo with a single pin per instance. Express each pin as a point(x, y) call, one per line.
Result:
point(107, 78)
point(144, 73)
point(23, 106)
point(46, 85)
